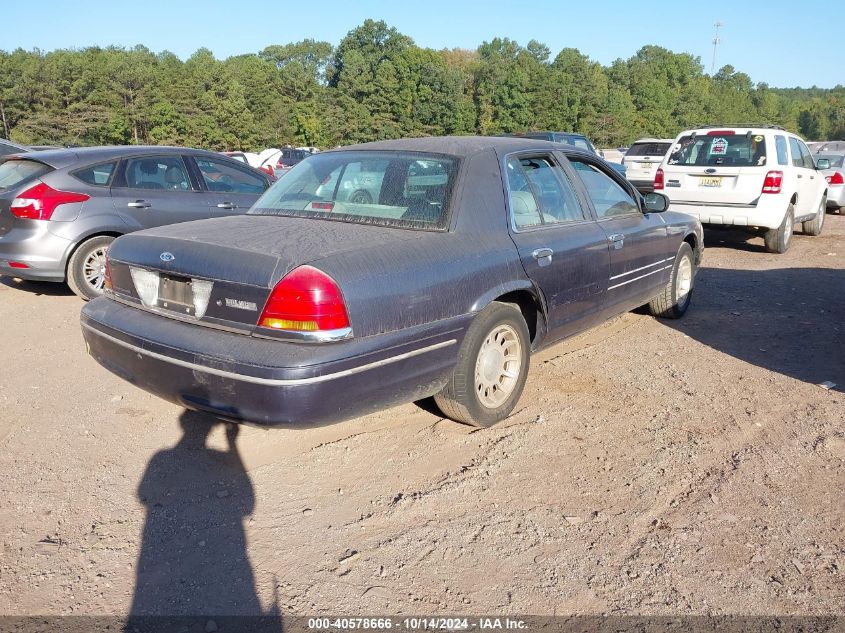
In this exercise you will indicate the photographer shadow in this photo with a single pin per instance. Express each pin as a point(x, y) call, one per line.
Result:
point(193, 560)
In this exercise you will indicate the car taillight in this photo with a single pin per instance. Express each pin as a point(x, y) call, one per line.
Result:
point(835, 179)
point(305, 300)
point(658, 179)
point(721, 133)
point(773, 182)
point(39, 202)
point(267, 169)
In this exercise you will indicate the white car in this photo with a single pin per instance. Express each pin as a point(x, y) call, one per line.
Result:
point(642, 160)
point(761, 177)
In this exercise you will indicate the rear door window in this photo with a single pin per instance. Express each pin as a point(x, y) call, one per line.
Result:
point(97, 175)
point(15, 172)
point(157, 172)
point(225, 177)
point(540, 193)
point(795, 150)
point(720, 148)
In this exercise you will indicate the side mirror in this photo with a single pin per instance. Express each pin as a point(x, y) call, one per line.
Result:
point(823, 163)
point(656, 202)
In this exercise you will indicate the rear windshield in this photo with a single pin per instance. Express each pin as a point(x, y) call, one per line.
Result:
point(739, 150)
point(402, 189)
point(648, 149)
point(577, 141)
point(836, 160)
point(14, 172)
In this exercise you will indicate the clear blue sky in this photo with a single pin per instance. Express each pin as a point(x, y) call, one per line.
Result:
point(773, 42)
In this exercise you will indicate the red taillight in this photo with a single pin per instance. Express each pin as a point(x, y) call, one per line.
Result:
point(322, 206)
point(658, 179)
point(306, 300)
point(18, 265)
point(39, 202)
point(267, 169)
point(721, 133)
point(773, 182)
point(835, 179)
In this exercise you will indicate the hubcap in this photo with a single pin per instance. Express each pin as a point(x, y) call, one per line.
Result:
point(498, 366)
point(683, 281)
point(94, 269)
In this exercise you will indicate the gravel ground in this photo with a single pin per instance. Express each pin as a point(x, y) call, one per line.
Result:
point(652, 467)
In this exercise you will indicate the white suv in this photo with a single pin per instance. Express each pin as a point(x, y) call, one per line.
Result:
point(642, 160)
point(755, 176)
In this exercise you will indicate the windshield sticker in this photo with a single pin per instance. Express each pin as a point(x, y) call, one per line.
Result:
point(757, 139)
point(720, 146)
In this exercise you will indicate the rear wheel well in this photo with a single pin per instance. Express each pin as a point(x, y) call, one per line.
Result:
point(85, 239)
point(528, 304)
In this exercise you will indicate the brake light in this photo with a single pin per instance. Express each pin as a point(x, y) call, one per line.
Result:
point(39, 202)
point(773, 182)
point(305, 300)
point(835, 179)
point(18, 265)
point(721, 133)
point(658, 179)
point(267, 169)
point(322, 206)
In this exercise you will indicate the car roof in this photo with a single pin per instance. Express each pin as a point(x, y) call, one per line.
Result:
point(462, 146)
point(59, 158)
point(653, 140)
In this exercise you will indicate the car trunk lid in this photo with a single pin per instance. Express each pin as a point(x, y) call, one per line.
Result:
point(221, 271)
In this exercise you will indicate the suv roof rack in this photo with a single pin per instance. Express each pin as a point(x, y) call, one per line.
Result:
point(768, 126)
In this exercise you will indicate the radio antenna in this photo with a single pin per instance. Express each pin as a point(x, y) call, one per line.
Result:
point(716, 41)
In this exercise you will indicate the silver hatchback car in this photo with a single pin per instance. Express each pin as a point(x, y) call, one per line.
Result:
point(60, 209)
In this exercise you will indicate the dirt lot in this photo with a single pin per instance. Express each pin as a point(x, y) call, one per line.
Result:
point(652, 467)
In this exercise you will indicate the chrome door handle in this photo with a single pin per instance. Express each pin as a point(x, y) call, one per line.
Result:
point(617, 239)
point(227, 205)
point(800, 175)
point(543, 256)
point(139, 204)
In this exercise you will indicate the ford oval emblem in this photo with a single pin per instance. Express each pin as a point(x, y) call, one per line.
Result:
point(166, 257)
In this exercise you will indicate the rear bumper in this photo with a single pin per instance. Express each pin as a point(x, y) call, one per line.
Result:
point(765, 214)
point(43, 252)
point(835, 196)
point(271, 383)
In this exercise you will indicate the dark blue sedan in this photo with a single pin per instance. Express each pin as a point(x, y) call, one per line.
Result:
point(385, 273)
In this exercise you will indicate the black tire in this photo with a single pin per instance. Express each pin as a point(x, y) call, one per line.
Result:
point(361, 197)
point(815, 226)
point(673, 301)
point(462, 399)
point(82, 277)
point(778, 240)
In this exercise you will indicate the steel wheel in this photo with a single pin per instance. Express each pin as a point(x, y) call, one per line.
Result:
point(497, 367)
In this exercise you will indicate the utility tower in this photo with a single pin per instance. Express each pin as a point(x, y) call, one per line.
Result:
point(716, 42)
